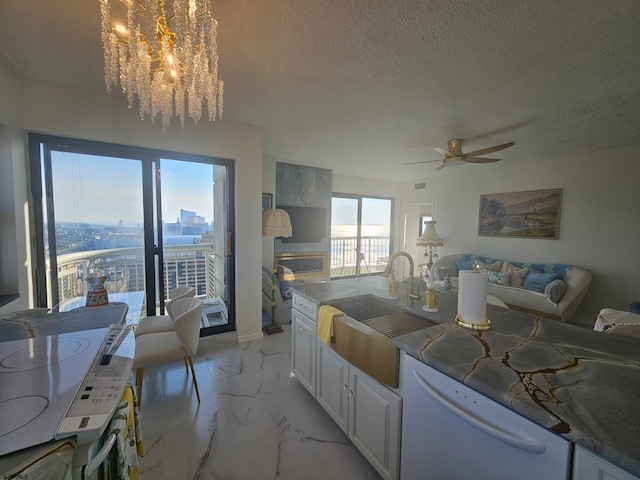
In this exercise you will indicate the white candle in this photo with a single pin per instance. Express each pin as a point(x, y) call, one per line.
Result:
point(472, 297)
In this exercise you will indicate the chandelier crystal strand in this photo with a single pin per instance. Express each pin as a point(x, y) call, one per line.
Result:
point(167, 58)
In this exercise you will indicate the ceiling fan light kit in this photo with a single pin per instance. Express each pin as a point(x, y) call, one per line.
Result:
point(455, 156)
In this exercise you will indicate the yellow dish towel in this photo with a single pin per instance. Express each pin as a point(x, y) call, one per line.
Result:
point(125, 425)
point(326, 314)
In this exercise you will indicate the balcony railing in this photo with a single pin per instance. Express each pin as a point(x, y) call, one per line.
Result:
point(374, 252)
point(184, 265)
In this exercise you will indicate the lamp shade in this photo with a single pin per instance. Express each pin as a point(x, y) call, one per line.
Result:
point(430, 238)
point(276, 223)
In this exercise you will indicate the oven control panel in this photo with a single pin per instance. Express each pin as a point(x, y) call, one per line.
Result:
point(103, 385)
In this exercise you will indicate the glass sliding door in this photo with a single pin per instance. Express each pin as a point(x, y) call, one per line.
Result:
point(193, 235)
point(94, 227)
point(360, 234)
point(148, 221)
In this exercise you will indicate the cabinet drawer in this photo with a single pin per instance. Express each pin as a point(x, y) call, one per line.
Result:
point(306, 306)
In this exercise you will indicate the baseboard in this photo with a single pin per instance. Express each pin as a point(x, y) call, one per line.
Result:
point(248, 338)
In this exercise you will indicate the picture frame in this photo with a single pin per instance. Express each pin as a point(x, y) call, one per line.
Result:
point(529, 214)
point(267, 201)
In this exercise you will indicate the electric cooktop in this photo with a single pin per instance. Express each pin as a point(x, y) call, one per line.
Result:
point(61, 385)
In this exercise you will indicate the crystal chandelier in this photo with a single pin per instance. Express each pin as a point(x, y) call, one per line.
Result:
point(171, 69)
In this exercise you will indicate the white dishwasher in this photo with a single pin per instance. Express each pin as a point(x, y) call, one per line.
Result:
point(452, 432)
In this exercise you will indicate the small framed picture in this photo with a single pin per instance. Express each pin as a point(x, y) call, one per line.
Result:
point(267, 201)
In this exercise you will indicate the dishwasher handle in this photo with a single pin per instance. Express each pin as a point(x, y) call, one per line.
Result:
point(528, 445)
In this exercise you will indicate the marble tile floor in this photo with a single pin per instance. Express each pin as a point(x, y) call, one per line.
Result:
point(255, 422)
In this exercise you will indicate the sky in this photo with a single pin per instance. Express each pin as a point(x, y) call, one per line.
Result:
point(376, 214)
point(95, 189)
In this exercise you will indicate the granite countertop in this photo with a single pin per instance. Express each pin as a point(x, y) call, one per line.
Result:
point(580, 384)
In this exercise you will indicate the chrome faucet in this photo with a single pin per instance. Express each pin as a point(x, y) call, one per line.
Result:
point(411, 295)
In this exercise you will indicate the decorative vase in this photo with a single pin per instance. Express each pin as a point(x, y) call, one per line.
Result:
point(97, 294)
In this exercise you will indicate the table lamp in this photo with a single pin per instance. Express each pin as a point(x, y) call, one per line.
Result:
point(431, 240)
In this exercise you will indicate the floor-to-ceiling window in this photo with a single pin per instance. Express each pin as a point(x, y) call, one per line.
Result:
point(360, 234)
point(147, 220)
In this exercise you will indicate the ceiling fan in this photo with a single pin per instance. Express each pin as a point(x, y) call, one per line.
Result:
point(454, 155)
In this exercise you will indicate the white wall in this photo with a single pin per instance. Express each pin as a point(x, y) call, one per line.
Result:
point(69, 112)
point(268, 186)
point(599, 219)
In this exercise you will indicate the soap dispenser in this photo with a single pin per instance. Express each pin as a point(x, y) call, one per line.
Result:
point(393, 286)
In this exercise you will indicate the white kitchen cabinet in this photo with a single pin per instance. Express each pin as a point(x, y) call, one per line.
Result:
point(333, 385)
point(589, 466)
point(368, 412)
point(303, 342)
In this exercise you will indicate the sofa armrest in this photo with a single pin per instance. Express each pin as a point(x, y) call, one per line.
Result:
point(578, 280)
point(449, 264)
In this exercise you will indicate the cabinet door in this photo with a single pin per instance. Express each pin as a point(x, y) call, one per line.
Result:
point(332, 385)
point(374, 422)
point(303, 350)
point(588, 466)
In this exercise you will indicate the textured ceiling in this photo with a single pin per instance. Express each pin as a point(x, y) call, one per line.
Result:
point(364, 86)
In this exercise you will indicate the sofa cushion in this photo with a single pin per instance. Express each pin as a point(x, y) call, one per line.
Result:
point(559, 268)
point(537, 280)
point(516, 274)
point(555, 290)
point(499, 278)
point(464, 264)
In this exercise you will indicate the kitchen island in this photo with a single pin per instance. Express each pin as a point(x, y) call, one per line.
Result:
point(580, 384)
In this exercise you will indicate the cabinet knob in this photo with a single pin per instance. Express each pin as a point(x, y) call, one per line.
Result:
point(345, 387)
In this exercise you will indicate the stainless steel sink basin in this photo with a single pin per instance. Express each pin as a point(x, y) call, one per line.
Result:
point(364, 307)
point(363, 335)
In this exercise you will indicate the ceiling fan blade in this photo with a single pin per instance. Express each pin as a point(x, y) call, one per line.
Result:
point(444, 152)
point(481, 159)
point(441, 166)
point(484, 151)
point(423, 161)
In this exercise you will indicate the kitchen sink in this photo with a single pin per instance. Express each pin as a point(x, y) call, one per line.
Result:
point(363, 335)
point(364, 307)
point(389, 319)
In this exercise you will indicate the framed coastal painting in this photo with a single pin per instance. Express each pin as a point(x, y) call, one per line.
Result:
point(533, 214)
point(267, 201)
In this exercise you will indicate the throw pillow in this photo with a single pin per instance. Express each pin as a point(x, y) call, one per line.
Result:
point(516, 274)
point(499, 278)
point(537, 281)
point(464, 264)
point(285, 289)
point(555, 290)
point(487, 267)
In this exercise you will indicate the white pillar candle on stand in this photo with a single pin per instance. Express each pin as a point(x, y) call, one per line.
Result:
point(472, 297)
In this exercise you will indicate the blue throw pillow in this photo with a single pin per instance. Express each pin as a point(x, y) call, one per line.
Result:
point(464, 264)
point(537, 280)
point(285, 289)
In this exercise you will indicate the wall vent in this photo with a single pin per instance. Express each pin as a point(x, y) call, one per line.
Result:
point(419, 186)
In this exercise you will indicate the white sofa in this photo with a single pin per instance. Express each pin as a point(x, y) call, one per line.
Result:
point(573, 281)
